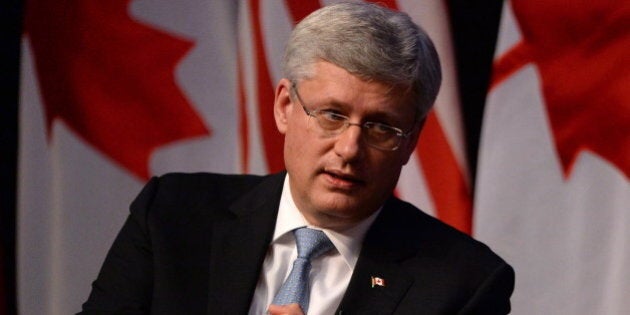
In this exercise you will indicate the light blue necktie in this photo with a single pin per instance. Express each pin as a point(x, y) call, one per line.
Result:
point(295, 289)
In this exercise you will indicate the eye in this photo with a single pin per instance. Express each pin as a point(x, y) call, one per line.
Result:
point(332, 116)
point(382, 129)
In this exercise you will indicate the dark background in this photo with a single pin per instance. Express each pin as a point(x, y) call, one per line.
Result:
point(474, 24)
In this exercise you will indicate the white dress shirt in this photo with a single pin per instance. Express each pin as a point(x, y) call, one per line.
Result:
point(330, 273)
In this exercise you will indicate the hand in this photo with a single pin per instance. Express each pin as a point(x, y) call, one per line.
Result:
point(289, 309)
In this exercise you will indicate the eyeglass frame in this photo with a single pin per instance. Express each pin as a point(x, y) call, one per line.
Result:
point(398, 133)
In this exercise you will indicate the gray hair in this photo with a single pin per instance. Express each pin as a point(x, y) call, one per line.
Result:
point(371, 42)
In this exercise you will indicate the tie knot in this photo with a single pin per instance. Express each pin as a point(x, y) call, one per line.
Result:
point(311, 243)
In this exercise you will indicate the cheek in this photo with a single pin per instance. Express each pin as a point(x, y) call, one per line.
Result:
point(299, 149)
point(296, 140)
point(303, 142)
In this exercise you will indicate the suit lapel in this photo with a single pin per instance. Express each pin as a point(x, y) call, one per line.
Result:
point(384, 249)
point(239, 244)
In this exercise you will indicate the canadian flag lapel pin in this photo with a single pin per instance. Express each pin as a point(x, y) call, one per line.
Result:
point(378, 281)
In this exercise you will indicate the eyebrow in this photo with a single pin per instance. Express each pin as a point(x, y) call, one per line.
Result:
point(380, 116)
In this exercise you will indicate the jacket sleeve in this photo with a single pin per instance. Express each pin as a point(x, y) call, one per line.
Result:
point(124, 283)
point(493, 296)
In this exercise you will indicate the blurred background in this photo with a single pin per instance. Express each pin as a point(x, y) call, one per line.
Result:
point(528, 148)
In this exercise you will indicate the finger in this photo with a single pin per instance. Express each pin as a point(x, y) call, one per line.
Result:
point(289, 309)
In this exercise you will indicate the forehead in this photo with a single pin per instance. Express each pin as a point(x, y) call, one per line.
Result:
point(334, 86)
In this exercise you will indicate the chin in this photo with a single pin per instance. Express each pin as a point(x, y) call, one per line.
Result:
point(339, 202)
point(343, 209)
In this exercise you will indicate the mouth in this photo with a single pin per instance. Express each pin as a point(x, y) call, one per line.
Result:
point(342, 180)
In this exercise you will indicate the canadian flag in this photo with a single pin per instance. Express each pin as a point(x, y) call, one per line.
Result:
point(553, 180)
point(113, 92)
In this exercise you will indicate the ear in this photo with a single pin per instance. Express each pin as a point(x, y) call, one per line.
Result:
point(411, 142)
point(282, 105)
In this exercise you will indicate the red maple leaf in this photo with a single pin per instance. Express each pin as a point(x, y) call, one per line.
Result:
point(110, 78)
point(580, 48)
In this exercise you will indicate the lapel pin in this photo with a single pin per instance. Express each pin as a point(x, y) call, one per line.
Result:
point(377, 281)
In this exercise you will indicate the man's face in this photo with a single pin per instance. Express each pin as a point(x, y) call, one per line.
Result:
point(339, 180)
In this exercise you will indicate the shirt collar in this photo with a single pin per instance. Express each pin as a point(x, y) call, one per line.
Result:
point(347, 242)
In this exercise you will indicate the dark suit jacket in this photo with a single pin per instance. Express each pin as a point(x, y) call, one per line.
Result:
point(195, 244)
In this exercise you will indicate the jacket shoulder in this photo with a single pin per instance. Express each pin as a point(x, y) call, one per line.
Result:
point(208, 184)
point(427, 232)
point(178, 195)
point(463, 272)
point(425, 239)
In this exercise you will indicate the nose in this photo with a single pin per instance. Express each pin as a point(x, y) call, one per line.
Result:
point(348, 144)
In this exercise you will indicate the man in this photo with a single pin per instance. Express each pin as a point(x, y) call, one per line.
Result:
point(358, 82)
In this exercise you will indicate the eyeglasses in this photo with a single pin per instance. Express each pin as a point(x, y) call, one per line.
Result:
point(377, 135)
